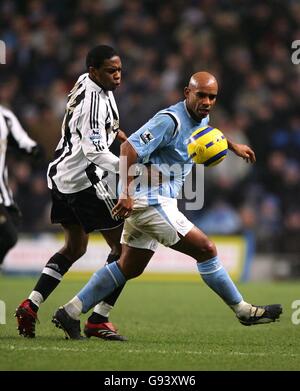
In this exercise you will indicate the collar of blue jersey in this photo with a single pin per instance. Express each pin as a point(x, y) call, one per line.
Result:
point(184, 102)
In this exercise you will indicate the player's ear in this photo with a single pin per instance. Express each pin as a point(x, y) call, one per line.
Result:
point(186, 91)
point(92, 71)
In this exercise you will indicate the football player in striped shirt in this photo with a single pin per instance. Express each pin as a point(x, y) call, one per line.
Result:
point(82, 179)
point(12, 135)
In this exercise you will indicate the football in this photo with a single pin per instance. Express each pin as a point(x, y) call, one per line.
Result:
point(208, 146)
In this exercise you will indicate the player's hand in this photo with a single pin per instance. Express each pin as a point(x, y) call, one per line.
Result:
point(245, 152)
point(123, 207)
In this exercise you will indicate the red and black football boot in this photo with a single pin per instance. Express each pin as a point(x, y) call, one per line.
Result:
point(26, 319)
point(104, 330)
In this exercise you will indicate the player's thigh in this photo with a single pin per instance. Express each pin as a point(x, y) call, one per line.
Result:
point(135, 236)
point(160, 223)
point(113, 238)
point(61, 211)
point(93, 213)
point(196, 244)
point(134, 260)
point(76, 241)
point(165, 223)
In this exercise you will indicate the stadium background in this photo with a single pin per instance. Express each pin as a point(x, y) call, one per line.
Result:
point(246, 44)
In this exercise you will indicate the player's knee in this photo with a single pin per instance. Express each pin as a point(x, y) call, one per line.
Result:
point(116, 251)
point(209, 250)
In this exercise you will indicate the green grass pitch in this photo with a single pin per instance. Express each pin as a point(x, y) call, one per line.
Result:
point(171, 325)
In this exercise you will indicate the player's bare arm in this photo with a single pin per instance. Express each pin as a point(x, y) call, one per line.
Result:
point(243, 151)
point(128, 157)
point(121, 136)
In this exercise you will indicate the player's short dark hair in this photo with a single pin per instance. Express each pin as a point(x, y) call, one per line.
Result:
point(96, 56)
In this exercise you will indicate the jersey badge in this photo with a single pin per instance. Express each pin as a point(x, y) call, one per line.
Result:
point(146, 137)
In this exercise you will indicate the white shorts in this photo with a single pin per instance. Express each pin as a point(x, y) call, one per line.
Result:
point(149, 225)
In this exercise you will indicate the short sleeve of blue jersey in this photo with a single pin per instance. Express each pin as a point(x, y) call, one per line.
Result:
point(155, 134)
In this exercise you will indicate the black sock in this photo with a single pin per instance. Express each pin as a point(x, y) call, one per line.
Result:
point(58, 265)
point(113, 297)
point(97, 318)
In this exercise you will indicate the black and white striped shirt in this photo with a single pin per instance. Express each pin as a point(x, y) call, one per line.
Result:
point(89, 127)
point(11, 131)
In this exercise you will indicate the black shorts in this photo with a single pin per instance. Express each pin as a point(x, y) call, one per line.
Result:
point(83, 208)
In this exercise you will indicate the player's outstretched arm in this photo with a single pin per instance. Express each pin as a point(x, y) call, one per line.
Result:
point(243, 151)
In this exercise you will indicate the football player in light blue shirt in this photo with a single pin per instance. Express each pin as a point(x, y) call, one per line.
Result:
point(162, 143)
point(154, 218)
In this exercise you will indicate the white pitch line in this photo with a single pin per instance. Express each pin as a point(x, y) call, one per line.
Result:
point(20, 348)
point(137, 351)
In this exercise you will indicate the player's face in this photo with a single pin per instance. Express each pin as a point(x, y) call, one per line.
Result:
point(108, 75)
point(200, 100)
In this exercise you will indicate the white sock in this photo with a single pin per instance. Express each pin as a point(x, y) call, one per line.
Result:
point(36, 298)
point(242, 309)
point(74, 308)
point(103, 309)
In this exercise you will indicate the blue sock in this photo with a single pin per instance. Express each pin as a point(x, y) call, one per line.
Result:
point(102, 283)
point(217, 278)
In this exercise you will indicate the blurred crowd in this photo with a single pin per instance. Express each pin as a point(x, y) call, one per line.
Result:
point(245, 44)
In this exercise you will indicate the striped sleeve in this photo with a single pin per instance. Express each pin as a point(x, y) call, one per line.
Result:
point(17, 132)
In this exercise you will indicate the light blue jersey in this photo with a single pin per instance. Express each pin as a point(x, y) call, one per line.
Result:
point(162, 144)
